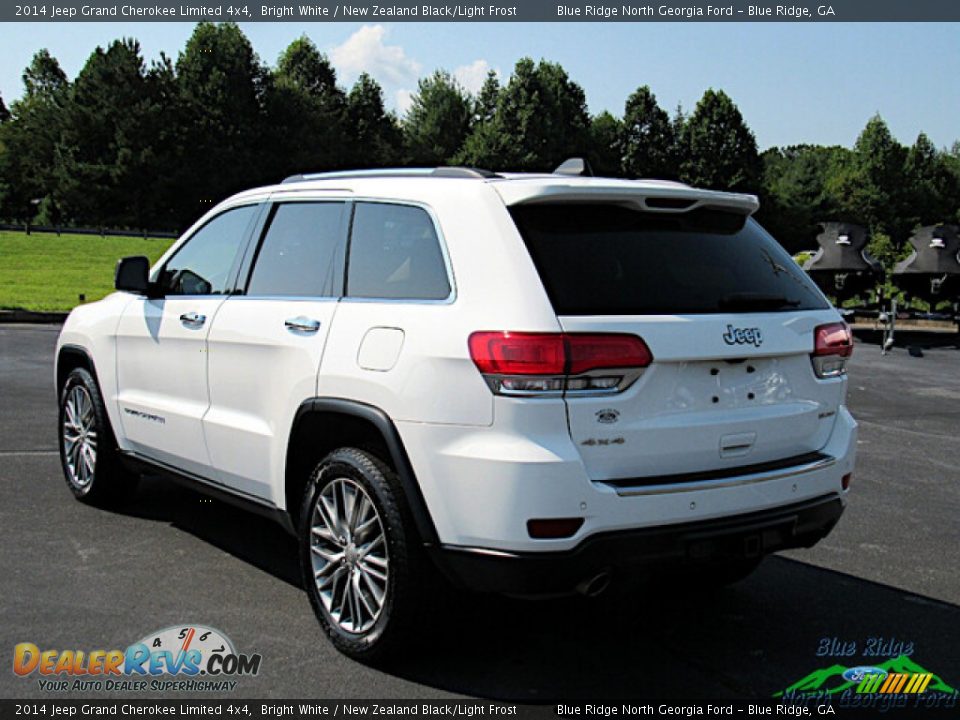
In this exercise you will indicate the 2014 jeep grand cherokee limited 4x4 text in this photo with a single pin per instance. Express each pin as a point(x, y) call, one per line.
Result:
point(519, 383)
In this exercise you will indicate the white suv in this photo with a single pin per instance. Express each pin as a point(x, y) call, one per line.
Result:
point(531, 383)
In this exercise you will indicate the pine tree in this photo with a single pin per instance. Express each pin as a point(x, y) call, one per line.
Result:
point(306, 112)
point(438, 121)
point(647, 138)
point(720, 151)
point(375, 135)
point(541, 119)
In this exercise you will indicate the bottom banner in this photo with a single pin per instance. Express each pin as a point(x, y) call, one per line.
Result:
point(352, 709)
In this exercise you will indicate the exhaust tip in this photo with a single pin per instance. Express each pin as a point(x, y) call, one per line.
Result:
point(593, 586)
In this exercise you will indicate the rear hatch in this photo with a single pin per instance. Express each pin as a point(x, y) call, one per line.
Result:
point(728, 317)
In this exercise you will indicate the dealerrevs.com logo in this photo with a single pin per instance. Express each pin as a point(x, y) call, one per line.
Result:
point(181, 657)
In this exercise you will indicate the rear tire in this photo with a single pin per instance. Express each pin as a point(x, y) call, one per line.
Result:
point(363, 565)
point(88, 450)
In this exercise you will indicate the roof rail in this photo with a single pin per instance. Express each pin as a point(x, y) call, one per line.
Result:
point(465, 172)
point(445, 172)
point(575, 166)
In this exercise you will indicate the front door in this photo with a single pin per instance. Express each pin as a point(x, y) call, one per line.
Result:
point(162, 344)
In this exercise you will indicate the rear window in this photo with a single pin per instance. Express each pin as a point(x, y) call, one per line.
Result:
point(612, 260)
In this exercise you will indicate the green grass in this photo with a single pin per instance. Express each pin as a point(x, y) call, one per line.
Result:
point(41, 271)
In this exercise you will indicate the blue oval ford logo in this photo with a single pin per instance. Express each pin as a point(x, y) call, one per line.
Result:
point(856, 674)
point(607, 416)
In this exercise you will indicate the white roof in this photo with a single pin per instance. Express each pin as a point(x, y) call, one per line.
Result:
point(514, 188)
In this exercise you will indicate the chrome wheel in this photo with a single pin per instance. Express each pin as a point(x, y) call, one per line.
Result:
point(348, 551)
point(79, 436)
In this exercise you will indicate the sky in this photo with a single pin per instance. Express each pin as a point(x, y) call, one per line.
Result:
point(793, 82)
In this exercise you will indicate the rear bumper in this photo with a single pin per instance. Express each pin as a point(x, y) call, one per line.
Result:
point(741, 536)
point(482, 485)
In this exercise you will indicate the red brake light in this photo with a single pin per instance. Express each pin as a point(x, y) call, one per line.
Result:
point(833, 339)
point(595, 352)
point(538, 363)
point(507, 353)
point(832, 345)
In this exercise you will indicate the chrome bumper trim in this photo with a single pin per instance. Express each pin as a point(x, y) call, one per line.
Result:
point(722, 482)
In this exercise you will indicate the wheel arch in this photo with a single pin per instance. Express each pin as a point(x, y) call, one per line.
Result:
point(321, 425)
point(69, 358)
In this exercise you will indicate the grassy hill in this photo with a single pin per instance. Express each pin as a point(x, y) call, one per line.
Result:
point(41, 271)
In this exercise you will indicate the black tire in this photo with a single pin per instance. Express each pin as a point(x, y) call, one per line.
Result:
point(102, 480)
point(409, 572)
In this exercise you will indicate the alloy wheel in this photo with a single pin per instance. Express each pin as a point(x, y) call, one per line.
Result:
point(79, 437)
point(348, 550)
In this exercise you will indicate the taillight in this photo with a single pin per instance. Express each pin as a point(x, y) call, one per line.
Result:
point(553, 363)
point(832, 345)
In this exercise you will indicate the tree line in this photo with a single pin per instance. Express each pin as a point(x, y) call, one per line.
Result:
point(138, 146)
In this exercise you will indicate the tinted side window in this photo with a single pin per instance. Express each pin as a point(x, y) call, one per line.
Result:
point(202, 266)
point(298, 256)
point(395, 253)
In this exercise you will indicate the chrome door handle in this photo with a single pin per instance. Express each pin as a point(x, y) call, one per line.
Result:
point(192, 319)
point(302, 324)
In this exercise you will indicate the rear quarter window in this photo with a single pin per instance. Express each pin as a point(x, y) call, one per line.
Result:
point(606, 259)
point(395, 254)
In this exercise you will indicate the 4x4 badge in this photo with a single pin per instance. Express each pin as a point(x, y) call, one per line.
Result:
point(743, 336)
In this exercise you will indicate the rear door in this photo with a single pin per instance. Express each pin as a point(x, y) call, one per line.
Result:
point(729, 319)
point(267, 342)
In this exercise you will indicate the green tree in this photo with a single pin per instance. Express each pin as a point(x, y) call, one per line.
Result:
point(221, 119)
point(720, 151)
point(306, 112)
point(794, 199)
point(931, 187)
point(374, 133)
point(44, 77)
point(105, 150)
point(951, 160)
point(4, 113)
point(647, 141)
point(541, 119)
point(167, 142)
point(604, 154)
point(869, 188)
point(485, 106)
point(438, 121)
point(29, 139)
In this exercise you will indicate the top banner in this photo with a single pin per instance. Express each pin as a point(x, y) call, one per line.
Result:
point(517, 11)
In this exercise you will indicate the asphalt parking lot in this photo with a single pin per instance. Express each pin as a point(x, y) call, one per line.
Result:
point(73, 576)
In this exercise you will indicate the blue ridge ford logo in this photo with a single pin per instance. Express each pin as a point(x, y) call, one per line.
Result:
point(743, 336)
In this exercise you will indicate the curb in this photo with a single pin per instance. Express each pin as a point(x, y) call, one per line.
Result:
point(30, 316)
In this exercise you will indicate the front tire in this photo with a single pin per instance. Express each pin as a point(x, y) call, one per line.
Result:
point(362, 563)
point(88, 450)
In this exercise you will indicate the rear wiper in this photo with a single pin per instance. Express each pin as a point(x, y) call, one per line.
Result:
point(755, 301)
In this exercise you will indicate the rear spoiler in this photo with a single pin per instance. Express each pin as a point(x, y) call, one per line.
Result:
point(663, 197)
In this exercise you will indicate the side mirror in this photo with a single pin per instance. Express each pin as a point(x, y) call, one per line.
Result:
point(132, 275)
